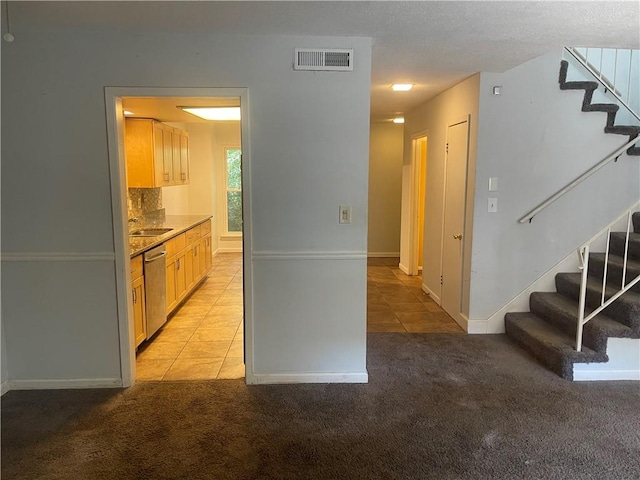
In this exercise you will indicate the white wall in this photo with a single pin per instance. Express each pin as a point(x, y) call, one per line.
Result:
point(385, 188)
point(309, 137)
point(535, 139)
point(432, 118)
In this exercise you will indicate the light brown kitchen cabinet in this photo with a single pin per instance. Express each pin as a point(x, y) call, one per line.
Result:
point(188, 261)
point(157, 155)
point(172, 296)
point(137, 292)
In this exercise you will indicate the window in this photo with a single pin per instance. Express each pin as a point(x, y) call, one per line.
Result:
point(233, 186)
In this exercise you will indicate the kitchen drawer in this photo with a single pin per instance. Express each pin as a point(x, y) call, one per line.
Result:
point(193, 235)
point(205, 228)
point(136, 267)
point(176, 244)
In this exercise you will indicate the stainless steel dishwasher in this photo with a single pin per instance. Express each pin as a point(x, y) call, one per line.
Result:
point(155, 286)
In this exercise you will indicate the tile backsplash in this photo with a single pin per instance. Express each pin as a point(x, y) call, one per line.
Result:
point(145, 207)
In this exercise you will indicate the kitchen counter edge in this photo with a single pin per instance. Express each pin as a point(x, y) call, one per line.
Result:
point(178, 223)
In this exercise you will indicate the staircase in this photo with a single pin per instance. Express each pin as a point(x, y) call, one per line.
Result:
point(611, 109)
point(548, 331)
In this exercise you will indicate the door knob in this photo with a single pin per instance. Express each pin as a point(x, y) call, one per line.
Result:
point(457, 236)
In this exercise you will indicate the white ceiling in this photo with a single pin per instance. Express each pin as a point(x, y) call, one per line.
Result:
point(166, 109)
point(431, 44)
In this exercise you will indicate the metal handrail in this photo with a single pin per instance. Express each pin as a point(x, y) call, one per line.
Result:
point(567, 188)
point(583, 254)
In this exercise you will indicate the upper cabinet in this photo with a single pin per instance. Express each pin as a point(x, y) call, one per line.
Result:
point(157, 154)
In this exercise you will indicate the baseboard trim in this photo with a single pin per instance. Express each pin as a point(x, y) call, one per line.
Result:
point(403, 269)
point(280, 378)
point(273, 255)
point(599, 375)
point(65, 384)
point(229, 250)
point(4, 388)
point(431, 293)
point(383, 254)
point(216, 252)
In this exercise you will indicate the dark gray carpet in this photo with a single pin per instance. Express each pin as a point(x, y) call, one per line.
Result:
point(437, 406)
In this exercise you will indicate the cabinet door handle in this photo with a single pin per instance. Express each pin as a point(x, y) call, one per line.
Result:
point(135, 300)
point(184, 176)
point(178, 264)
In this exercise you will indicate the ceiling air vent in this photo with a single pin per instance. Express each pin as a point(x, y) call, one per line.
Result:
point(333, 59)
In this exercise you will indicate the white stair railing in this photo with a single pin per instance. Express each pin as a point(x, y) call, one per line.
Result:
point(614, 293)
point(617, 69)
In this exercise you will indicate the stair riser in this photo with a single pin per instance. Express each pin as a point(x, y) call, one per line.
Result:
point(567, 322)
point(549, 358)
point(624, 312)
point(635, 218)
point(614, 274)
point(617, 246)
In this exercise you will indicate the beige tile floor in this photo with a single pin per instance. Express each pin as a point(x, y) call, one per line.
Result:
point(396, 302)
point(204, 338)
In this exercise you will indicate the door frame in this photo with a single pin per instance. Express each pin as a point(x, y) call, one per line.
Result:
point(117, 173)
point(416, 173)
point(458, 316)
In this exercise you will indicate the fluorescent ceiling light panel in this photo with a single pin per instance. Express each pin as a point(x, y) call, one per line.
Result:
point(214, 113)
point(398, 120)
point(402, 87)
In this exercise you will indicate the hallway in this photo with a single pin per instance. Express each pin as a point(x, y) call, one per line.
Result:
point(203, 340)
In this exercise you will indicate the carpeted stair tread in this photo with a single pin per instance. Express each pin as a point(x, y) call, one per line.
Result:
point(626, 309)
point(614, 269)
point(601, 107)
point(562, 313)
point(550, 346)
point(617, 241)
point(622, 129)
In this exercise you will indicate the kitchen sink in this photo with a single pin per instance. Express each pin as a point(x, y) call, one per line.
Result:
point(150, 232)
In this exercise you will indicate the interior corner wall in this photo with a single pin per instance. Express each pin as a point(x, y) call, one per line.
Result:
point(385, 189)
point(535, 139)
point(432, 118)
point(57, 226)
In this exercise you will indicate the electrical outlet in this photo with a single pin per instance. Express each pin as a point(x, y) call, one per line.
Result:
point(345, 214)
point(492, 205)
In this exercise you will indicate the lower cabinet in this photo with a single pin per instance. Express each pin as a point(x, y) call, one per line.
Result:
point(137, 293)
point(189, 260)
point(172, 294)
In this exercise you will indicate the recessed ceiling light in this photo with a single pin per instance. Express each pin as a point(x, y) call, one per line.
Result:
point(398, 120)
point(127, 112)
point(214, 113)
point(402, 87)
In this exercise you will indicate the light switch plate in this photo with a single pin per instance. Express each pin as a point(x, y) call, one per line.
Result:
point(492, 205)
point(345, 214)
point(493, 184)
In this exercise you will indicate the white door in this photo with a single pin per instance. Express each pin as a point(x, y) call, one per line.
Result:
point(454, 211)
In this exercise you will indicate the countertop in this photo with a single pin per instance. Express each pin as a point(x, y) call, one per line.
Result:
point(178, 224)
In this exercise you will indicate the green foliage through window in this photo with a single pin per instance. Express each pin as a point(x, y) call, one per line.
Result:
point(234, 190)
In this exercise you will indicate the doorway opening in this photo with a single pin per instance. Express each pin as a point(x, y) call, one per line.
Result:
point(195, 193)
point(418, 189)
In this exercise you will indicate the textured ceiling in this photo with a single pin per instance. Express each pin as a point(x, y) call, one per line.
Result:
point(431, 44)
